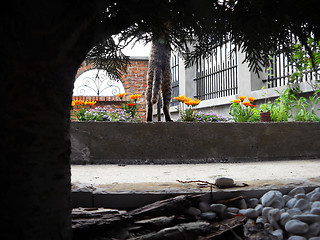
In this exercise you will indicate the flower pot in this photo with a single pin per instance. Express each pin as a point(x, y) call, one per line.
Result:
point(265, 116)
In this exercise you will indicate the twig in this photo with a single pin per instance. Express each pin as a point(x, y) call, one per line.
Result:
point(197, 181)
point(233, 232)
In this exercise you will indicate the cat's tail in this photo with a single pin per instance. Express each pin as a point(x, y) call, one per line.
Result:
point(157, 80)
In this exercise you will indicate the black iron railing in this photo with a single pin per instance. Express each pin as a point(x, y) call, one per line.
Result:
point(216, 76)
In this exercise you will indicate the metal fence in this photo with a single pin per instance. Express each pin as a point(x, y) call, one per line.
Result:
point(175, 78)
point(279, 72)
point(216, 76)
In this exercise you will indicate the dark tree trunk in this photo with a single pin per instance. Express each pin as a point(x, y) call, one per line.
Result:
point(43, 45)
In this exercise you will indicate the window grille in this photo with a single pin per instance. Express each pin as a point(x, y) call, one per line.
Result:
point(175, 78)
point(216, 76)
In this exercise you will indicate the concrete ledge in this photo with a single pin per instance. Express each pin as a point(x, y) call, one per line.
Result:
point(165, 143)
point(131, 201)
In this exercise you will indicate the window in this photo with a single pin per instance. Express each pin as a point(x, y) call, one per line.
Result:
point(95, 82)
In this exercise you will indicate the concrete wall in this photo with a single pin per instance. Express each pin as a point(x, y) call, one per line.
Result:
point(146, 143)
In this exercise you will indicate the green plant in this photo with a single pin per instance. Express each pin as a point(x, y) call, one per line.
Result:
point(108, 114)
point(198, 116)
point(305, 59)
point(281, 108)
point(244, 111)
point(79, 108)
point(187, 114)
point(131, 106)
point(306, 109)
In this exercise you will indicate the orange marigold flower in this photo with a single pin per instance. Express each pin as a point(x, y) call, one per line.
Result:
point(135, 96)
point(77, 102)
point(121, 95)
point(251, 105)
point(189, 103)
point(180, 98)
point(187, 100)
point(246, 104)
point(196, 102)
point(90, 103)
point(130, 104)
point(236, 101)
point(251, 99)
point(242, 98)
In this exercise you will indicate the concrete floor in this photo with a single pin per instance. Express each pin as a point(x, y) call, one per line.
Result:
point(159, 178)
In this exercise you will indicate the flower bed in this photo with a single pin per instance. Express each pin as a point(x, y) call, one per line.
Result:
point(192, 142)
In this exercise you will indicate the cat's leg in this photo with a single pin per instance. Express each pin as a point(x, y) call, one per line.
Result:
point(166, 93)
point(149, 94)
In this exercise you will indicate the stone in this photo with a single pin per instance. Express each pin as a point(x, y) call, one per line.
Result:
point(315, 210)
point(284, 218)
point(314, 238)
point(193, 211)
point(294, 211)
point(261, 220)
point(252, 202)
point(208, 216)
point(315, 204)
point(249, 213)
point(268, 227)
point(278, 203)
point(274, 214)
point(242, 204)
point(233, 210)
point(300, 196)
point(204, 206)
point(314, 230)
point(259, 209)
point(296, 227)
point(268, 198)
point(296, 190)
point(315, 197)
point(295, 237)
point(286, 198)
point(218, 208)
point(278, 233)
point(274, 224)
point(224, 182)
point(291, 202)
point(265, 212)
point(302, 204)
point(307, 218)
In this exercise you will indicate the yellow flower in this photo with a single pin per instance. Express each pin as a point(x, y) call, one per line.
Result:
point(135, 97)
point(236, 101)
point(242, 98)
point(90, 103)
point(251, 99)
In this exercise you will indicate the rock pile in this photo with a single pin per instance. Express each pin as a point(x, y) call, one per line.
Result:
point(295, 216)
point(274, 216)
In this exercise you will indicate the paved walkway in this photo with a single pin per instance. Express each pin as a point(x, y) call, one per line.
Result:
point(137, 178)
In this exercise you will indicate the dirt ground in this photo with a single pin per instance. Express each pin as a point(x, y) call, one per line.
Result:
point(163, 178)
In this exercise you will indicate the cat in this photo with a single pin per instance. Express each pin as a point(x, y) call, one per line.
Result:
point(159, 76)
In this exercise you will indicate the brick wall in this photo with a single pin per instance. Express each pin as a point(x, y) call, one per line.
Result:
point(134, 82)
